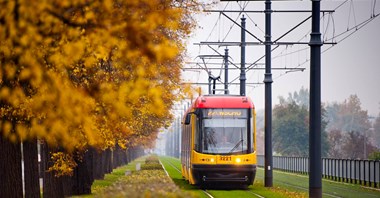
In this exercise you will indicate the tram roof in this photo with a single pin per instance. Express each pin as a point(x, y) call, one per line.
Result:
point(223, 101)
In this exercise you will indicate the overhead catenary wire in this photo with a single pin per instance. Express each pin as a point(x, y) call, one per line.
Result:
point(328, 27)
point(346, 34)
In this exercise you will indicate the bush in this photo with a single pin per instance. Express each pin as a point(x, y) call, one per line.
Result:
point(144, 183)
point(151, 167)
point(374, 156)
point(153, 159)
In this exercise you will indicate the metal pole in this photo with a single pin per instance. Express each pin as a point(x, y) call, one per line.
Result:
point(214, 86)
point(209, 82)
point(365, 146)
point(226, 71)
point(315, 179)
point(242, 68)
point(268, 178)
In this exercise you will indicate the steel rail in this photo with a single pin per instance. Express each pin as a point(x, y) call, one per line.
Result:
point(172, 165)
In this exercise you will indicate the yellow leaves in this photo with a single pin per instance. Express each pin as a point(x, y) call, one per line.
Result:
point(14, 97)
point(4, 92)
point(155, 93)
point(165, 51)
point(10, 70)
point(101, 53)
point(94, 73)
point(108, 5)
point(89, 15)
point(25, 74)
point(64, 164)
point(4, 46)
point(7, 127)
point(73, 51)
point(37, 130)
point(90, 62)
point(22, 131)
point(188, 91)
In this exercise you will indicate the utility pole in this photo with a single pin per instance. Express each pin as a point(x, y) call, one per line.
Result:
point(268, 174)
point(226, 71)
point(315, 158)
point(209, 82)
point(242, 61)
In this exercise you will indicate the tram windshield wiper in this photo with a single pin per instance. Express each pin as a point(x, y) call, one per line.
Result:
point(237, 145)
point(240, 141)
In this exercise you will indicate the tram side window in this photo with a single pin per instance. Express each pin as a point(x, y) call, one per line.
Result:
point(196, 135)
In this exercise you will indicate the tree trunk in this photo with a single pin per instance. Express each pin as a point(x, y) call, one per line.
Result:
point(31, 174)
point(67, 185)
point(124, 159)
point(53, 186)
point(116, 157)
point(107, 160)
point(10, 168)
point(97, 164)
point(82, 178)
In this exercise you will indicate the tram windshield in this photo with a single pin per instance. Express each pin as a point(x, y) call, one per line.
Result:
point(225, 131)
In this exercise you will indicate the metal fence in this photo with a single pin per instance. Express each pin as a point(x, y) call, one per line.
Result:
point(363, 172)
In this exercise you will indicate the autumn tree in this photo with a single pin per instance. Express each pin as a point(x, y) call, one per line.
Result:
point(348, 116)
point(301, 97)
point(290, 129)
point(336, 141)
point(349, 129)
point(356, 146)
point(291, 126)
point(77, 73)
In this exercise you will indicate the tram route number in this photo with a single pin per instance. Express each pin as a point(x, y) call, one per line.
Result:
point(225, 158)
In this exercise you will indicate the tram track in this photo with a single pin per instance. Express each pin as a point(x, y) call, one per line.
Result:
point(172, 165)
point(205, 191)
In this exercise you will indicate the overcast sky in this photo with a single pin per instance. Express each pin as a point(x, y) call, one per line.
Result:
point(350, 67)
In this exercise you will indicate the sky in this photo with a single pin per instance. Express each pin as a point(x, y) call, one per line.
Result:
point(352, 66)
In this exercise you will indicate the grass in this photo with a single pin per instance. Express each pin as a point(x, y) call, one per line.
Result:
point(99, 185)
point(177, 177)
point(300, 183)
point(150, 181)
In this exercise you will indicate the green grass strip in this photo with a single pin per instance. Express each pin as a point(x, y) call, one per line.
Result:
point(300, 183)
point(168, 163)
point(112, 177)
point(109, 179)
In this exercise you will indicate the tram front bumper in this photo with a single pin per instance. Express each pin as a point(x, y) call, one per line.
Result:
point(224, 173)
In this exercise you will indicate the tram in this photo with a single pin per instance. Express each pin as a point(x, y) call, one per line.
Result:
point(219, 141)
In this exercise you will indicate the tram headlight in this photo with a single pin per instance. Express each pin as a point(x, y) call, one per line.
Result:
point(237, 160)
point(212, 160)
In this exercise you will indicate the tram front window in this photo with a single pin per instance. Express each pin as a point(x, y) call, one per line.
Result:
point(224, 136)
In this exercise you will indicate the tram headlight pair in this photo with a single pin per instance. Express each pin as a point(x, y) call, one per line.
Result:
point(212, 160)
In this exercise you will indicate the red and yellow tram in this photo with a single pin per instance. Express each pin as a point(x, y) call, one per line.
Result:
point(219, 141)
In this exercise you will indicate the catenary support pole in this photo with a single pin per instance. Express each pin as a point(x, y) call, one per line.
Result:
point(209, 82)
point(315, 179)
point(242, 67)
point(226, 71)
point(268, 174)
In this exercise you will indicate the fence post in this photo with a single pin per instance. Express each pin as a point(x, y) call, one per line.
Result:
point(374, 173)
